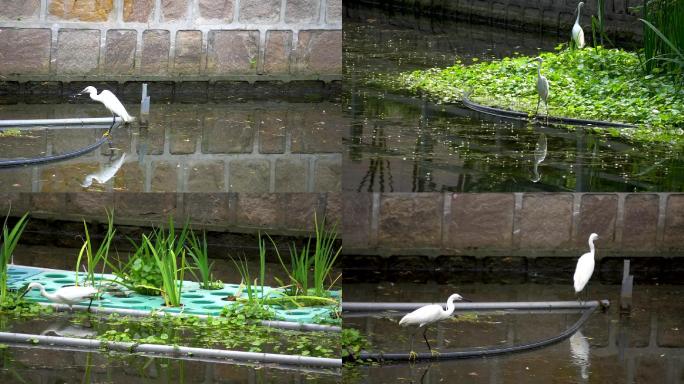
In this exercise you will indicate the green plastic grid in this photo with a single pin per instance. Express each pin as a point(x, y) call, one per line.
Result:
point(194, 299)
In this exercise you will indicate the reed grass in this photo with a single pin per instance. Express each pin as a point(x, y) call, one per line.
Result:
point(10, 238)
point(664, 36)
point(325, 255)
point(172, 274)
point(100, 255)
point(197, 249)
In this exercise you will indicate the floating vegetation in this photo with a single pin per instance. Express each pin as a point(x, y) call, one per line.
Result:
point(592, 83)
point(9, 239)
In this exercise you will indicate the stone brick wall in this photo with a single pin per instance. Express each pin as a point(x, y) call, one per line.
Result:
point(277, 213)
point(243, 147)
point(513, 224)
point(170, 39)
point(621, 15)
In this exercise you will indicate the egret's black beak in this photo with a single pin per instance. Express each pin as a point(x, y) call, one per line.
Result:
point(466, 300)
point(26, 290)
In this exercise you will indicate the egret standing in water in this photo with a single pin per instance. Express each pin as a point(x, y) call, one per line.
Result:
point(427, 315)
point(111, 102)
point(542, 87)
point(585, 266)
point(65, 295)
point(577, 32)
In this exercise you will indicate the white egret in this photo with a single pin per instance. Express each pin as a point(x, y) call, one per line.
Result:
point(579, 350)
point(540, 151)
point(104, 175)
point(66, 295)
point(429, 314)
point(577, 32)
point(585, 266)
point(542, 87)
point(110, 101)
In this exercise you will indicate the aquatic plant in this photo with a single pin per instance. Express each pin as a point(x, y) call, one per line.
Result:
point(9, 239)
point(300, 263)
point(197, 249)
point(325, 255)
point(100, 255)
point(172, 274)
point(243, 268)
point(664, 36)
point(141, 273)
point(353, 342)
point(592, 83)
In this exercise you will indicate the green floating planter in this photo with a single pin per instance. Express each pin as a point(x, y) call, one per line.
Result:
point(195, 301)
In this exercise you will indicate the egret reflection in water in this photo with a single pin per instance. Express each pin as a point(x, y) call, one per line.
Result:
point(105, 174)
point(540, 151)
point(579, 349)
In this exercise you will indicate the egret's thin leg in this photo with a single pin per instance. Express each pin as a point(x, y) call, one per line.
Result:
point(91, 303)
point(546, 105)
point(537, 110)
point(426, 340)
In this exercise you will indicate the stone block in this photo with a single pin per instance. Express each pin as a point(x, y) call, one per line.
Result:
point(65, 177)
point(42, 92)
point(152, 206)
point(19, 203)
point(643, 209)
point(222, 10)
point(302, 11)
point(328, 175)
point(546, 221)
point(184, 131)
point(9, 92)
point(333, 11)
point(193, 92)
point(456, 270)
point(260, 11)
point(120, 51)
point(164, 176)
point(481, 220)
point(319, 52)
point(243, 91)
point(159, 92)
point(259, 210)
point(598, 214)
point(207, 176)
point(333, 211)
point(416, 269)
point(81, 10)
point(130, 178)
point(188, 52)
point(89, 204)
point(674, 222)
point(399, 215)
point(207, 208)
point(290, 175)
point(78, 51)
point(232, 52)
point(277, 52)
point(19, 10)
point(362, 269)
point(15, 180)
point(356, 219)
point(318, 130)
point(155, 52)
point(228, 131)
point(174, 10)
point(504, 270)
point(139, 11)
point(30, 51)
point(250, 176)
point(301, 208)
point(272, 130)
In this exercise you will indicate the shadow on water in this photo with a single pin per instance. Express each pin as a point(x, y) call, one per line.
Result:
point(646, 345)
point(398, 143)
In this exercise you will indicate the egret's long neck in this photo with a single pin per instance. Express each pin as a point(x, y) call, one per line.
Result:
point(44, 292)
point(450, 308)
point(591, 245)
point(95, 96)
point(539, 68)
point(578, 14)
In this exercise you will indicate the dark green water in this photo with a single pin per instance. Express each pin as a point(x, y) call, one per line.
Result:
point(404, 144)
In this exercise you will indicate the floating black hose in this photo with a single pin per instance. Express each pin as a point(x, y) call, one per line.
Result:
point(516, 115)
point(63, 156)
point(473, 353)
